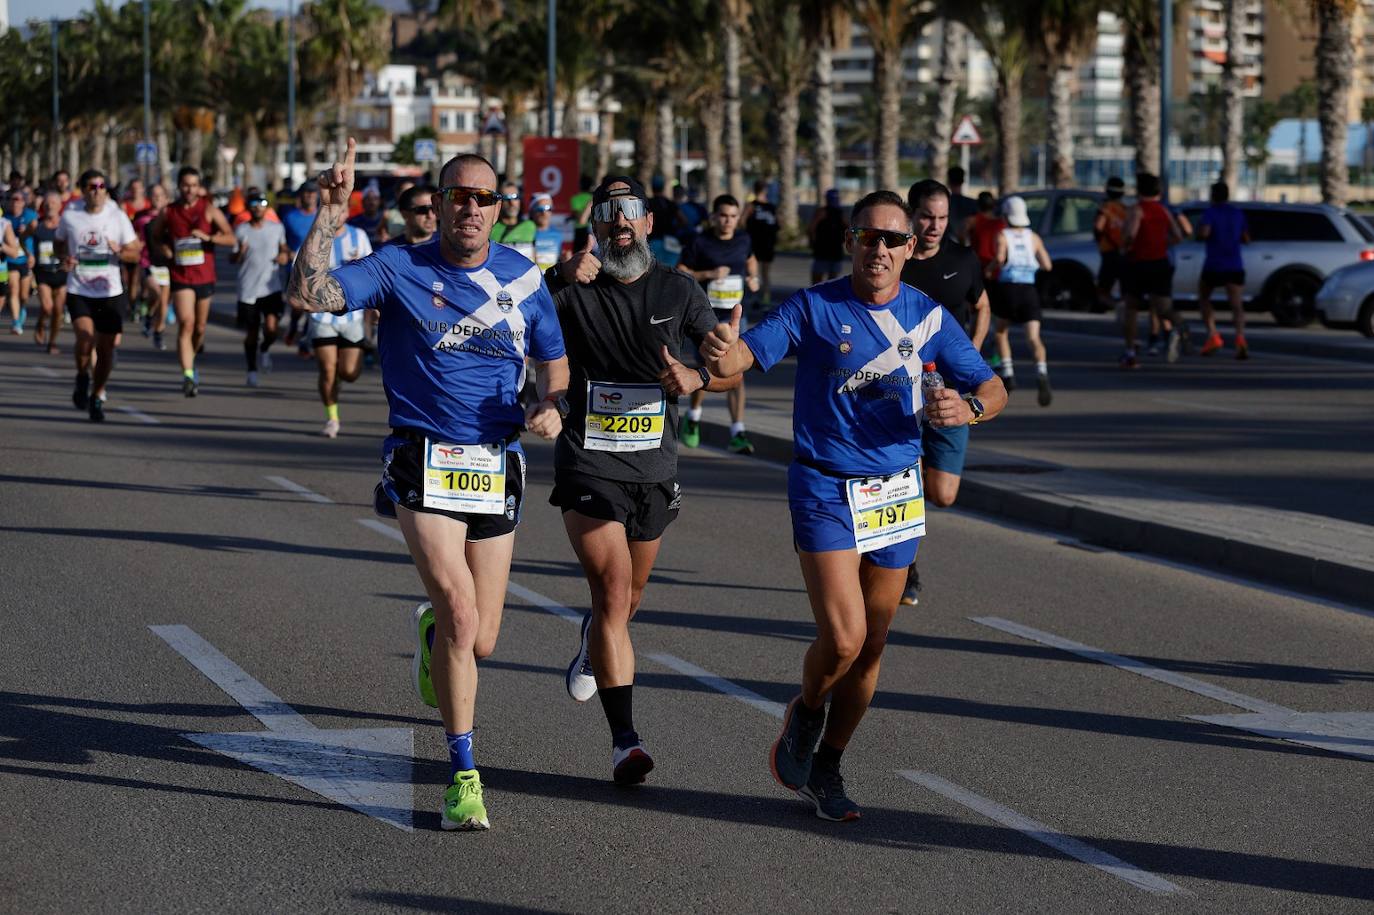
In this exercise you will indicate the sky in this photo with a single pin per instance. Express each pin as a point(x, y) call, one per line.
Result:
point(23, 10)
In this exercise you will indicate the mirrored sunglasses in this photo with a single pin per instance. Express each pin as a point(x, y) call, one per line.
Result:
point(632, 207)
point(459, 195)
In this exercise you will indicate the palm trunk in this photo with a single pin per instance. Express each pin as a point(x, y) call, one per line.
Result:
point(195, 149)
point(713, 123)
point(164, 149)
point(734, 136)
point(310, 146)
point(605, 134)
point(95, 149)
point(514, 107)
point(1142, 84)
point(825, 117)
point(667, 126)
point(788, 118)
point(248, 155)
point(112, 145)
point(224, 167)
point(1233, 111)
point(340, 122)
point(646, 144)
point(1009, 133)
point(1060, 136)
point(887, 73)
point(571, 125)
point(73, 153)
point(1335, 64)
point(948, 96)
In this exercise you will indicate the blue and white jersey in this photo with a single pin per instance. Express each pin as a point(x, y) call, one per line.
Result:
point(857, 409)
point(1021, 263)
point(453, 341)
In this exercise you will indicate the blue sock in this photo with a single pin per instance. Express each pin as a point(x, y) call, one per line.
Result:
point(459, 753)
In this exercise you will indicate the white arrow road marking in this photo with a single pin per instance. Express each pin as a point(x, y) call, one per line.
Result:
point(367, 769)
point(1351, 733)
point(1045, 835)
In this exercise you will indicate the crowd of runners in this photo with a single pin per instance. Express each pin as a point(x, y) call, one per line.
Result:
point(466, 291)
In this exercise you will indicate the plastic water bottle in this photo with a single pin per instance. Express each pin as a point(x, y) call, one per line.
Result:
point(931, 381)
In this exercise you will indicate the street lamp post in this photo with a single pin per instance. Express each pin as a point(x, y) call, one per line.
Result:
point(56, 104)
point(553, 63)
point(291, 94)
point(147, 167)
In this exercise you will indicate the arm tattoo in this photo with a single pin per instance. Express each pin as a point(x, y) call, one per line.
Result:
point(311, 287)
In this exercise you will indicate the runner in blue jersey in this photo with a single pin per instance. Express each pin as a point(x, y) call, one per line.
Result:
point(854, 486)
point(458, 318)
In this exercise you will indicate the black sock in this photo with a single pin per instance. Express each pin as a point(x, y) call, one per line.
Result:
point(618, 703)
point(807, 713)
point(827, 756)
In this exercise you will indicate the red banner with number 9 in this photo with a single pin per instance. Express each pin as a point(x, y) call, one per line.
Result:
point(551, 166)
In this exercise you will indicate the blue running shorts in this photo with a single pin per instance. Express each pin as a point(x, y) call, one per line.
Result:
point(821, 520)
point(944, 449)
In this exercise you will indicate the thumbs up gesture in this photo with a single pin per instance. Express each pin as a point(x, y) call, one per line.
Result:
point(719, 340)
point(583, 266)
point(678, 379)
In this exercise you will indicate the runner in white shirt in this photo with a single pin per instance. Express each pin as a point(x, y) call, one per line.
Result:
point(338, 339)
point(92, 239)
point(260, 254)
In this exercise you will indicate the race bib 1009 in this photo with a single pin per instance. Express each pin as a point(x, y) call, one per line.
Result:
point(465, 478)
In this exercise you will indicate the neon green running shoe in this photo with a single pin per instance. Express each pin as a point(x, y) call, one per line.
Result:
point(463, 807)
point(424, 627)
point(689, 432)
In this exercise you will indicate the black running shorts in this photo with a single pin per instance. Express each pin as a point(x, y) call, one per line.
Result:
point(646, 509)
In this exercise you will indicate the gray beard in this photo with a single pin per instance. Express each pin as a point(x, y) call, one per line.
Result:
point(629, 264)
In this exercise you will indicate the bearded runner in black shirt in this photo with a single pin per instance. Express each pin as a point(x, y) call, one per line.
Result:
point(952, 275)
point(615, 465)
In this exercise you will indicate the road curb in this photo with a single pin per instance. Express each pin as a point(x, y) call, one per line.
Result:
point(1260, 341)
point(1123, 532)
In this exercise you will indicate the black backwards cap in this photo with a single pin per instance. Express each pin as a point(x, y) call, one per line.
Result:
point(603, 192)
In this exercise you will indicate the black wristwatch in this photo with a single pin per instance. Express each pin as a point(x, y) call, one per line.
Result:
point(705, 376)
point(560, 403)
point(977, 407)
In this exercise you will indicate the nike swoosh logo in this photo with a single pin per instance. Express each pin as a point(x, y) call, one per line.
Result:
point(655, 319)
point(948, 275)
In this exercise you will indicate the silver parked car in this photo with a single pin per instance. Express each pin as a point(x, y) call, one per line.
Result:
point(1294, 246)
point(1346, 299)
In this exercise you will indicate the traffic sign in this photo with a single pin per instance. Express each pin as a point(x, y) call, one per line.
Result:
point(966, 134)
point(145, 153)
point(551, 166)
point(426, 151)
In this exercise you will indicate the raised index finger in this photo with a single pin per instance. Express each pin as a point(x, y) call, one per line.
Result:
point(350, 153)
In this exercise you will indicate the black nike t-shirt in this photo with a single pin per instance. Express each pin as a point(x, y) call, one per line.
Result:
point(953, 276)
point(615, 333)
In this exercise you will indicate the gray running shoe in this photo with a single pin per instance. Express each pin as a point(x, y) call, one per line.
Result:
point(790, 758)
point(825, 789)
point(580, 680)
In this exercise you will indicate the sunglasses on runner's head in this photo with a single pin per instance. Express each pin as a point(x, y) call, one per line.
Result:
point(632, 207)
point(425, 210)
point(459, 195)
point(870, 237)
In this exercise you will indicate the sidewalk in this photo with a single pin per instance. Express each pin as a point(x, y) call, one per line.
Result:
point(1303, 551)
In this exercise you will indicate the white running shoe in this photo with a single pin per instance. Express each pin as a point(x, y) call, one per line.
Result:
point(265, 361)
point(631, 764)
point(331, 429)
point(580, 680)
point(252, 380)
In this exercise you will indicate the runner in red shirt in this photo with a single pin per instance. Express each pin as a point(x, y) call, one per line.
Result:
point(183, 233)
point(1149, 232)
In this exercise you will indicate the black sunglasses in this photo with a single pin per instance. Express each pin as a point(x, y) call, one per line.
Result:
point(459, 195)
point(422, 210)
point(870, 237)
point(95, 186)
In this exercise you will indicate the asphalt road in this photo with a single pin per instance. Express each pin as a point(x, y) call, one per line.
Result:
point(982, 746)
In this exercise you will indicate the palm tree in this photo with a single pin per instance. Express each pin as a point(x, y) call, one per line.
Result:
point(1260, 120)
point(1000, 27)
point(1233, 113)
point(828, 28)
point(1367, 119)
point(1063, 32)
point(1335, 66)
point(890, 24)
point(256, 70)
point(947, 93)
point(1298, 103)
point(782, 56)
point(733, 16)
point(1141, 33)
point(348, 40)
